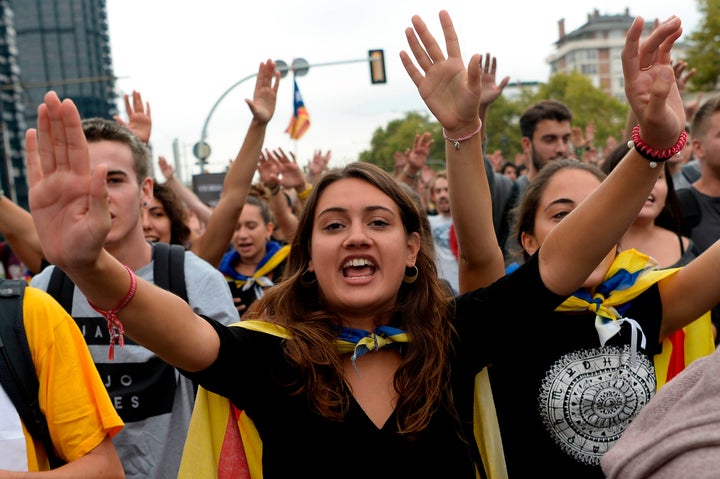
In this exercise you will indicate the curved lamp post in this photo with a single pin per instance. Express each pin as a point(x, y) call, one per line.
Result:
point(300, 67)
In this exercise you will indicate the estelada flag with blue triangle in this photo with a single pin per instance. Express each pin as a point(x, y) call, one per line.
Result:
point(300, 121)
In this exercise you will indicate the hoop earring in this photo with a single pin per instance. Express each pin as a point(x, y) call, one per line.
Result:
point(411, 274)
point(308, 279)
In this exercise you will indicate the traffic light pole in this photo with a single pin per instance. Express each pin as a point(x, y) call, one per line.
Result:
point(377, 72)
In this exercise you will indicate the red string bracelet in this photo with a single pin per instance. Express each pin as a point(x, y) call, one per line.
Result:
point(115, 327)
point(456, 141)
point(653, 155)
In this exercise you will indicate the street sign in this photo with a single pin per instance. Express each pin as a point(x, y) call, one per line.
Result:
point(208, 187)
point(282, 67)
point(300, 67)
point(201, 150)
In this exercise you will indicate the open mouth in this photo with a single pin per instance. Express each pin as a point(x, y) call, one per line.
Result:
point(358, 268)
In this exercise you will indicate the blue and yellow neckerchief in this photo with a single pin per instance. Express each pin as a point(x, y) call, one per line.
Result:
point(359, 341)
point(275, 254)
point(630, 274)
point(222, 442)
point(349, 340)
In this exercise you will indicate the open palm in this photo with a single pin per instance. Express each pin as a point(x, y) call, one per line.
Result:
point(68, 202)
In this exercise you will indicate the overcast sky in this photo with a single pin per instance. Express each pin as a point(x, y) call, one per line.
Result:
point(182, 55)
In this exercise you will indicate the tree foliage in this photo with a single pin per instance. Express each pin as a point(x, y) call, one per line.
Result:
point(587, 103)
point(703, 51)
point(502, 130)
point(399, 135)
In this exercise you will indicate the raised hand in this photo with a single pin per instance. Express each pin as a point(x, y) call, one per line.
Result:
point(401, 159)
point(681, 77)
point(167, 170)
point(450, 91)
point(291, 174)
point(418, 155)
point(317, 165)
point(583, 139)
point(426, 175)
point(264, 99)
point(279, 167)
point(139, 119)
point(319, 162)
point(491, 90)
point(69, 203)
point(268, 169)
point(650, 84)
point(576, 137)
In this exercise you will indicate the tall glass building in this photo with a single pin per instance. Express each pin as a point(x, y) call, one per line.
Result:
point(60, 45)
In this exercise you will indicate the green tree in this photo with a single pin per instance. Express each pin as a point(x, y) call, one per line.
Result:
point(703, 51)
point(587, 104)
point(399, 135)
point(502, 130)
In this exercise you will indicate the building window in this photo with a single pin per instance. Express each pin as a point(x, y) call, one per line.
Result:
point(589, 68)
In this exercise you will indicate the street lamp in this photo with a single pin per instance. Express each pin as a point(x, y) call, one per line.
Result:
point(299, 67)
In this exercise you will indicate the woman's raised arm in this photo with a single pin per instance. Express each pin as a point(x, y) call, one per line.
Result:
point(576, 246)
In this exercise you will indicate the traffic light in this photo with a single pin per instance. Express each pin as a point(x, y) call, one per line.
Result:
point(377, 66)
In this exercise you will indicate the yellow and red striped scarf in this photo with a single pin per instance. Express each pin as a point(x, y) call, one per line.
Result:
point(222, 442)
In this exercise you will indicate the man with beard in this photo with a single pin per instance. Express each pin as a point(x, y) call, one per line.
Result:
point(545, 128)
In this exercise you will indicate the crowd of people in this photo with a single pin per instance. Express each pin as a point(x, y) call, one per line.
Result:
point(448, 323)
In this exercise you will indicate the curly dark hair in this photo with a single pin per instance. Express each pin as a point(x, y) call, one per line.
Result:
point(175, 210)
point(543, 110)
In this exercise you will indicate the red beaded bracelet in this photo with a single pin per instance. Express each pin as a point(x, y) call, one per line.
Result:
point(115, 327)
point(653, 155)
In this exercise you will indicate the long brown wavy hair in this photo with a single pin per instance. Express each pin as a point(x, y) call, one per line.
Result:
point(423, 309)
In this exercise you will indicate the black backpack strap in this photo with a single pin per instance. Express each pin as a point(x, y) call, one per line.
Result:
point(17, 371)
point(61, 288)
point(169, 272)
point(177, 271)
point(169, 268)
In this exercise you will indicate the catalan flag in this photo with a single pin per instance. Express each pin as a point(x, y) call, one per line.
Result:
point(300, 121)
